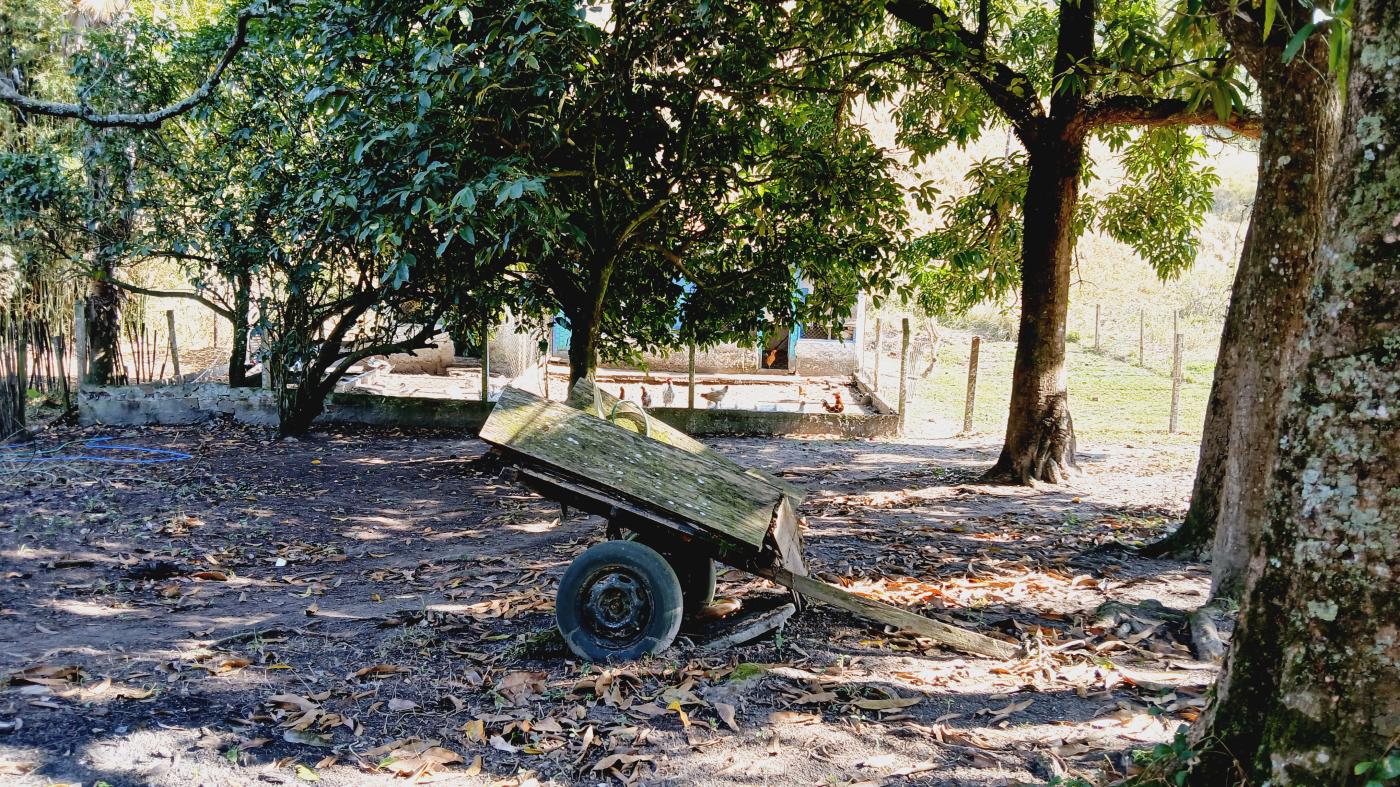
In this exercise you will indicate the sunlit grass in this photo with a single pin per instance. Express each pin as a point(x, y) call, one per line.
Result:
point(1112, 401)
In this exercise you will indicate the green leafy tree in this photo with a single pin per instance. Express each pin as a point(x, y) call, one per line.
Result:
point(675, 178)
point(1131, 73)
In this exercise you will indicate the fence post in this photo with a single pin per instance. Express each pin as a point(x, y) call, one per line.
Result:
point(971, 384)
point(174, 346)
point(875, 373)
point(1142, 340)
point(1096, 327)
point(548, 350)
point(904, 376)
point(1176, 384)
point(690, 378)
point(485, 360)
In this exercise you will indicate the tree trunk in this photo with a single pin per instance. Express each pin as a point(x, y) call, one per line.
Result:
point(242, 308)
point(1312, 683)
point(1039, 443)
point(586, 322)
point(583, 348)
point(1297, 148)
point(103, 328)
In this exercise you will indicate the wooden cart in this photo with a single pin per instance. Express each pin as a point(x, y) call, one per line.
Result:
point(673, 506)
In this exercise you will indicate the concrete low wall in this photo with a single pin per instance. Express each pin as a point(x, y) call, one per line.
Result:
point(173, 405)
point(176, 405)
point(145, 405)
point(365, 408)
point(701, 422)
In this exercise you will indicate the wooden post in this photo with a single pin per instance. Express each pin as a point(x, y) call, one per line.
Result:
point(80, 341)
point(61, 355)
point(904, 376)
point(174, 346)
point(1172, 421)
point(216, 331)
point(548, 351)
point(875, 373)
point(971, 384)
point(485, 359)
point(1096, 327)
point(1142, 339)
point(690, 376)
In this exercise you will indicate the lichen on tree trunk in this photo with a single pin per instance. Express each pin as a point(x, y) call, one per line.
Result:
point(1039, 443)
point(1312, 683)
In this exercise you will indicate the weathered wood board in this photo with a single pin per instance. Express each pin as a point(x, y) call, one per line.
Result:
point(786, 533)
point(666, 478)
point(582, 397)
point(952, 636)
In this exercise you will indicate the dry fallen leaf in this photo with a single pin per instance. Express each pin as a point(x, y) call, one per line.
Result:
point(519, 687)
point(793, 717)
point(726, 715)
point(891, 703)
point(376, 671)
point(613, 760)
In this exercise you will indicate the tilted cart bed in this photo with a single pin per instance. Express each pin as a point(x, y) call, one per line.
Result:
point(684, 505)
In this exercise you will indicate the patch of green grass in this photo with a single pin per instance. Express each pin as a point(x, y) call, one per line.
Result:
point(1112, 400)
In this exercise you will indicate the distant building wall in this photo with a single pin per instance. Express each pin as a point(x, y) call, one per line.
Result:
point(514, 348)
point(712, 360)
point(432, 360)
point(823, 357)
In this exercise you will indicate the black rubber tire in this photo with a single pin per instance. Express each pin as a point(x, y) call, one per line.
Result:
point(696, 574)
point(618, 601)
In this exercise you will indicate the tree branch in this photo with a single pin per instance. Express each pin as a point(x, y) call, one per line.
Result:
point(226, 313)
point(1009, 89)
point(1154, 112)
point(141, 120)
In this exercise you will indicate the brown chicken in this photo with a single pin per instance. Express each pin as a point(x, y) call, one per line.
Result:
point(836, 405)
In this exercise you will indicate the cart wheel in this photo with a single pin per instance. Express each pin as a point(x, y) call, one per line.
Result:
point(618, 601)
point(697, 574)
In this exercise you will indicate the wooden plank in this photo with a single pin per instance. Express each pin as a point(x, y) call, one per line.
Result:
point(880, 612)
point(582, 397)
point(787, 537)
point(640, 469)
point(602, 503)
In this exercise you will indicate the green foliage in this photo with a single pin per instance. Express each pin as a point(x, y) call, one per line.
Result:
point(1162, 202)
point(672, 183)
point(975, 256)
point(1380, 772)
point(957, 88)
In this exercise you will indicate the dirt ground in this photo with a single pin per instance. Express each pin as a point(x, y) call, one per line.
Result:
point(376, 608)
